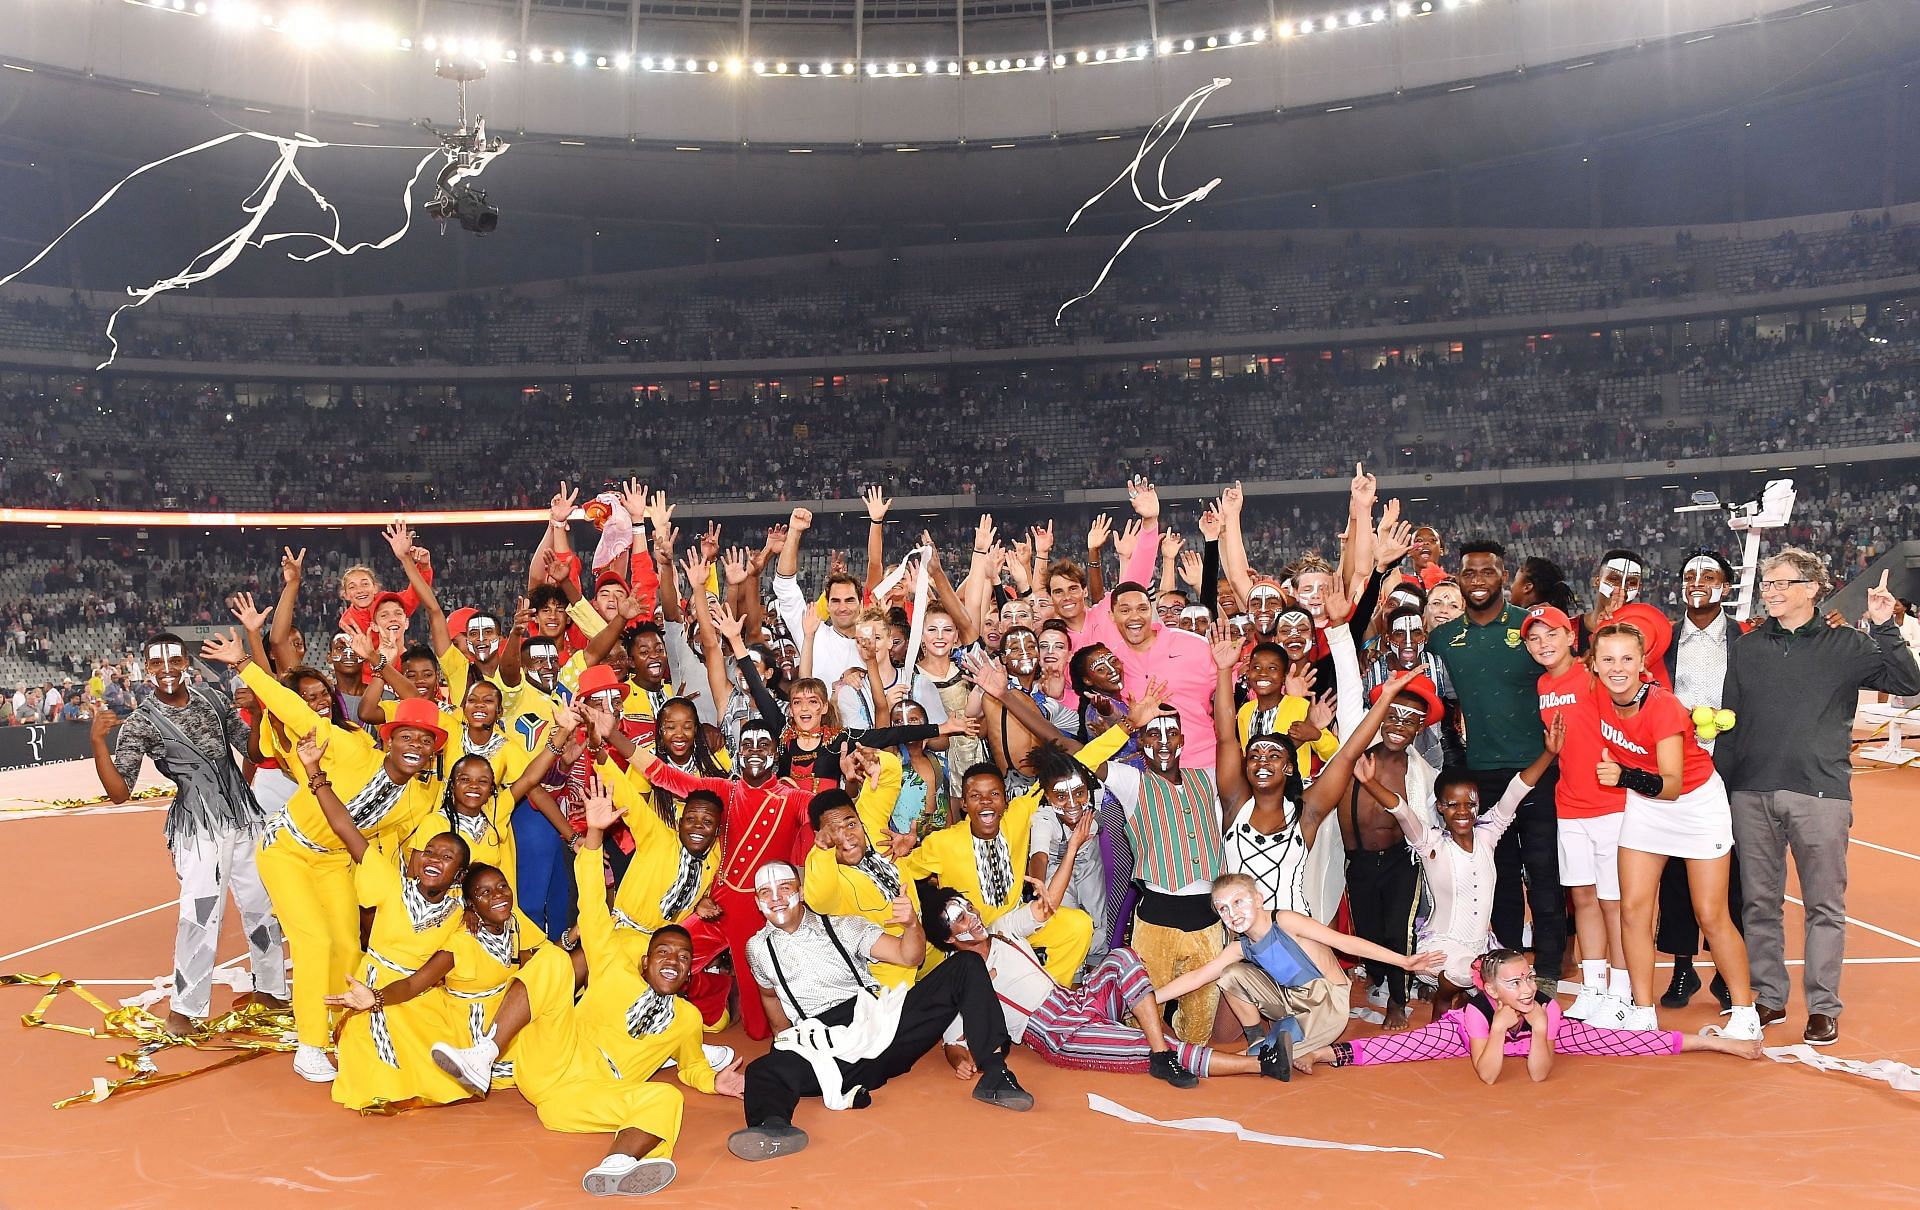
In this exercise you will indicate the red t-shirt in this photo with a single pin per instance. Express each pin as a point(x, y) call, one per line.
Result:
point(1635, 741)
point(1574, 696)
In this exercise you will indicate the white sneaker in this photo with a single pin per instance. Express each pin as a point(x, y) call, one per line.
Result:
point(625, 1176)
point(471, 1065)
point(311, 1063)
point(1588, 1005)
point(1377, 995)
point(1743, 1023)
point(717, 1057)
point(1638, 1017)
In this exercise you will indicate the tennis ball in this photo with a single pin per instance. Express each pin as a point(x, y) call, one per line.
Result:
point(1724, 720)
point(1703, 715)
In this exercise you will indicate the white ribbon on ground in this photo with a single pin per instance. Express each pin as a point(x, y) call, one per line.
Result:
point(1167, 206)
point(1113, 1109)
point(256, 205)
point(1900, 1076)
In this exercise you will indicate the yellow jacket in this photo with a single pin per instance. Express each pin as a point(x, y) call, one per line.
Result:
point(832, 889)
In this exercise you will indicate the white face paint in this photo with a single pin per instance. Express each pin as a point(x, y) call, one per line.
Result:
point(963, 923)
point(1700, 595)
point(776, 891)
point(1236, 908)
point(483, 634)
point(165, 651)
point(1621, 573)
point(167, 665)
point(543, 664)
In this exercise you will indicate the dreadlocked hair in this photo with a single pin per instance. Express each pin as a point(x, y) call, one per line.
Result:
point(1049, 762)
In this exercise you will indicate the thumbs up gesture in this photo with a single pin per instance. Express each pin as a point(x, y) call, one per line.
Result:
point(1608, 770)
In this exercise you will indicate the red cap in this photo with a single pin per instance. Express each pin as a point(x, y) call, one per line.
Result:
point(1546, 615)
point(415, 712)
point(382, 599)
point(610, 576)
point(458, 619)
point(597, 679)
point(1422, 687)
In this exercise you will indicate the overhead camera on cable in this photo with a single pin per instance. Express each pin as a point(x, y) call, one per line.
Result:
point(468, 151)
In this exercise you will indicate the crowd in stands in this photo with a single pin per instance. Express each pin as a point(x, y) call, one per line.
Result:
point(921, 301)
point(998, 433)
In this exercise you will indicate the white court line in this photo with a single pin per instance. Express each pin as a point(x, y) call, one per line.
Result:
point(1871, 928)
point(1868, 844)
point(158, 907)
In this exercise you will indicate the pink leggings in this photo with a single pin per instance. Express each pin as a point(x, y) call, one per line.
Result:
point(1447, 1039)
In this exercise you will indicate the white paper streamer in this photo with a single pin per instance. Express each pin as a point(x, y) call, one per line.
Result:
point(1900, 1076)
point(922, 586)
point(1167, 206)
point(215, 259)
point(1113, 1109)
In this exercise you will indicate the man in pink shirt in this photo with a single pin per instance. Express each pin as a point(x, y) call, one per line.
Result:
point(1151, 650)
point(1138, 546)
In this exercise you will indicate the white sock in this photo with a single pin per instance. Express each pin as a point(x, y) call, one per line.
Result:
point(1619, 983)
point(1593, 973)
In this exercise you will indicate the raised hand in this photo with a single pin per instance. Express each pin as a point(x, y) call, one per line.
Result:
point(962, 724)
point(225, 649)
point(985, 672)
point(837, 563)
point(310, 749)
point(523, 618)
point(1880, 602)
point(103, 721)
point(566, 718)
point(1301, 674)
point(1147, 707)
point(292, 566)
point(983, 534)
point(633, 498)
point(1042, 541)
point(1557, 733)
point(362, 642)
point(600, 811)
point(695, 566)
point(659, 512)
point(1192, 569)
point(399, 539)
point(1211, 524)
point(877, 503)
point(730, 624)
point(1145, 497)
point(799, 521)
point(733, 566)
point(1232, 500)
point(1364, 487)
point(1226, 648)
point(244, 613)
point(1041, 907)
point(1321, 714)
point(1170, 544)
point(563, 503)
point(1129, 538)
point(1099, 533)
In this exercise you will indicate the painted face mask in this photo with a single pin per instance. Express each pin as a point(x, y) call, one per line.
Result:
point(1694, 581)
point(543, 664)
point(167, 665)
point(1022, 652)
point(1407, 639)
point(1069, 799)
point(963, 922)
point(1236, 908)
point(483, 636)
point(776, 891)
point(1195, 618)
point(1621, 577)
point(1162, 741)
point(756, 752)
point(1293, 631)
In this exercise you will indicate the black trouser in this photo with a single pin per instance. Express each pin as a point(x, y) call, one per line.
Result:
point(959, 987)
point(1679, 932)
point(1382, 887)
point(1527, 861)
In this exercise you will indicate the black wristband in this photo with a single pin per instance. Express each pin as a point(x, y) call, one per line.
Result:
point(1640, 781)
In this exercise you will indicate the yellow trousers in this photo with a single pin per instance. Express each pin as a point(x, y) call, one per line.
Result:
point(1066, 937)
point(313, 896)
point(565, 1079)
point(1169, 953)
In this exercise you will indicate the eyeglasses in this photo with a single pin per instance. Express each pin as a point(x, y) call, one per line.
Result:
point(1780, 585)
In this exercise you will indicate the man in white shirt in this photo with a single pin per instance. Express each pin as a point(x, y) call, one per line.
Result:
point(50, 709)
point(834, 647)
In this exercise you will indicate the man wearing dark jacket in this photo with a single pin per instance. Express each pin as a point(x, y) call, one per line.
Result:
point(1794, 683)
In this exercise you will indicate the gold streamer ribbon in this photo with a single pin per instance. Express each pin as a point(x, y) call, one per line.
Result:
point(98, 800)
point(249, 1030)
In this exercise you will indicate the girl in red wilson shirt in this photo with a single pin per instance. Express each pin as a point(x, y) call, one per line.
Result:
point(1676, 807)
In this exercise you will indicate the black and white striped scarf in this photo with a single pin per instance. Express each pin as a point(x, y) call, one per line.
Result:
point(504, 946)
point(882, 871)
point(995, 868)
point(470, 827)
point(371, 804)
point(685, 888)
point(650, 1014)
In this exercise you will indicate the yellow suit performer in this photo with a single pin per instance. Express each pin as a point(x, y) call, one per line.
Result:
point(978, 858)
point(587, 1068)
point(304, 864)
point(845, 874)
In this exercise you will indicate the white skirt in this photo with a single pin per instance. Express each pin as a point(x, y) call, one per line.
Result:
point(1698, 825)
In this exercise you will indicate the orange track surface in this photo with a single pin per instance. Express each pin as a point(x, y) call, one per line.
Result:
point(1612, 1132)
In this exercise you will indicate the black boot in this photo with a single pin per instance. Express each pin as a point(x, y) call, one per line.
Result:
point(1166, 1065)
point(1686, 981)
point(998, 1087)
